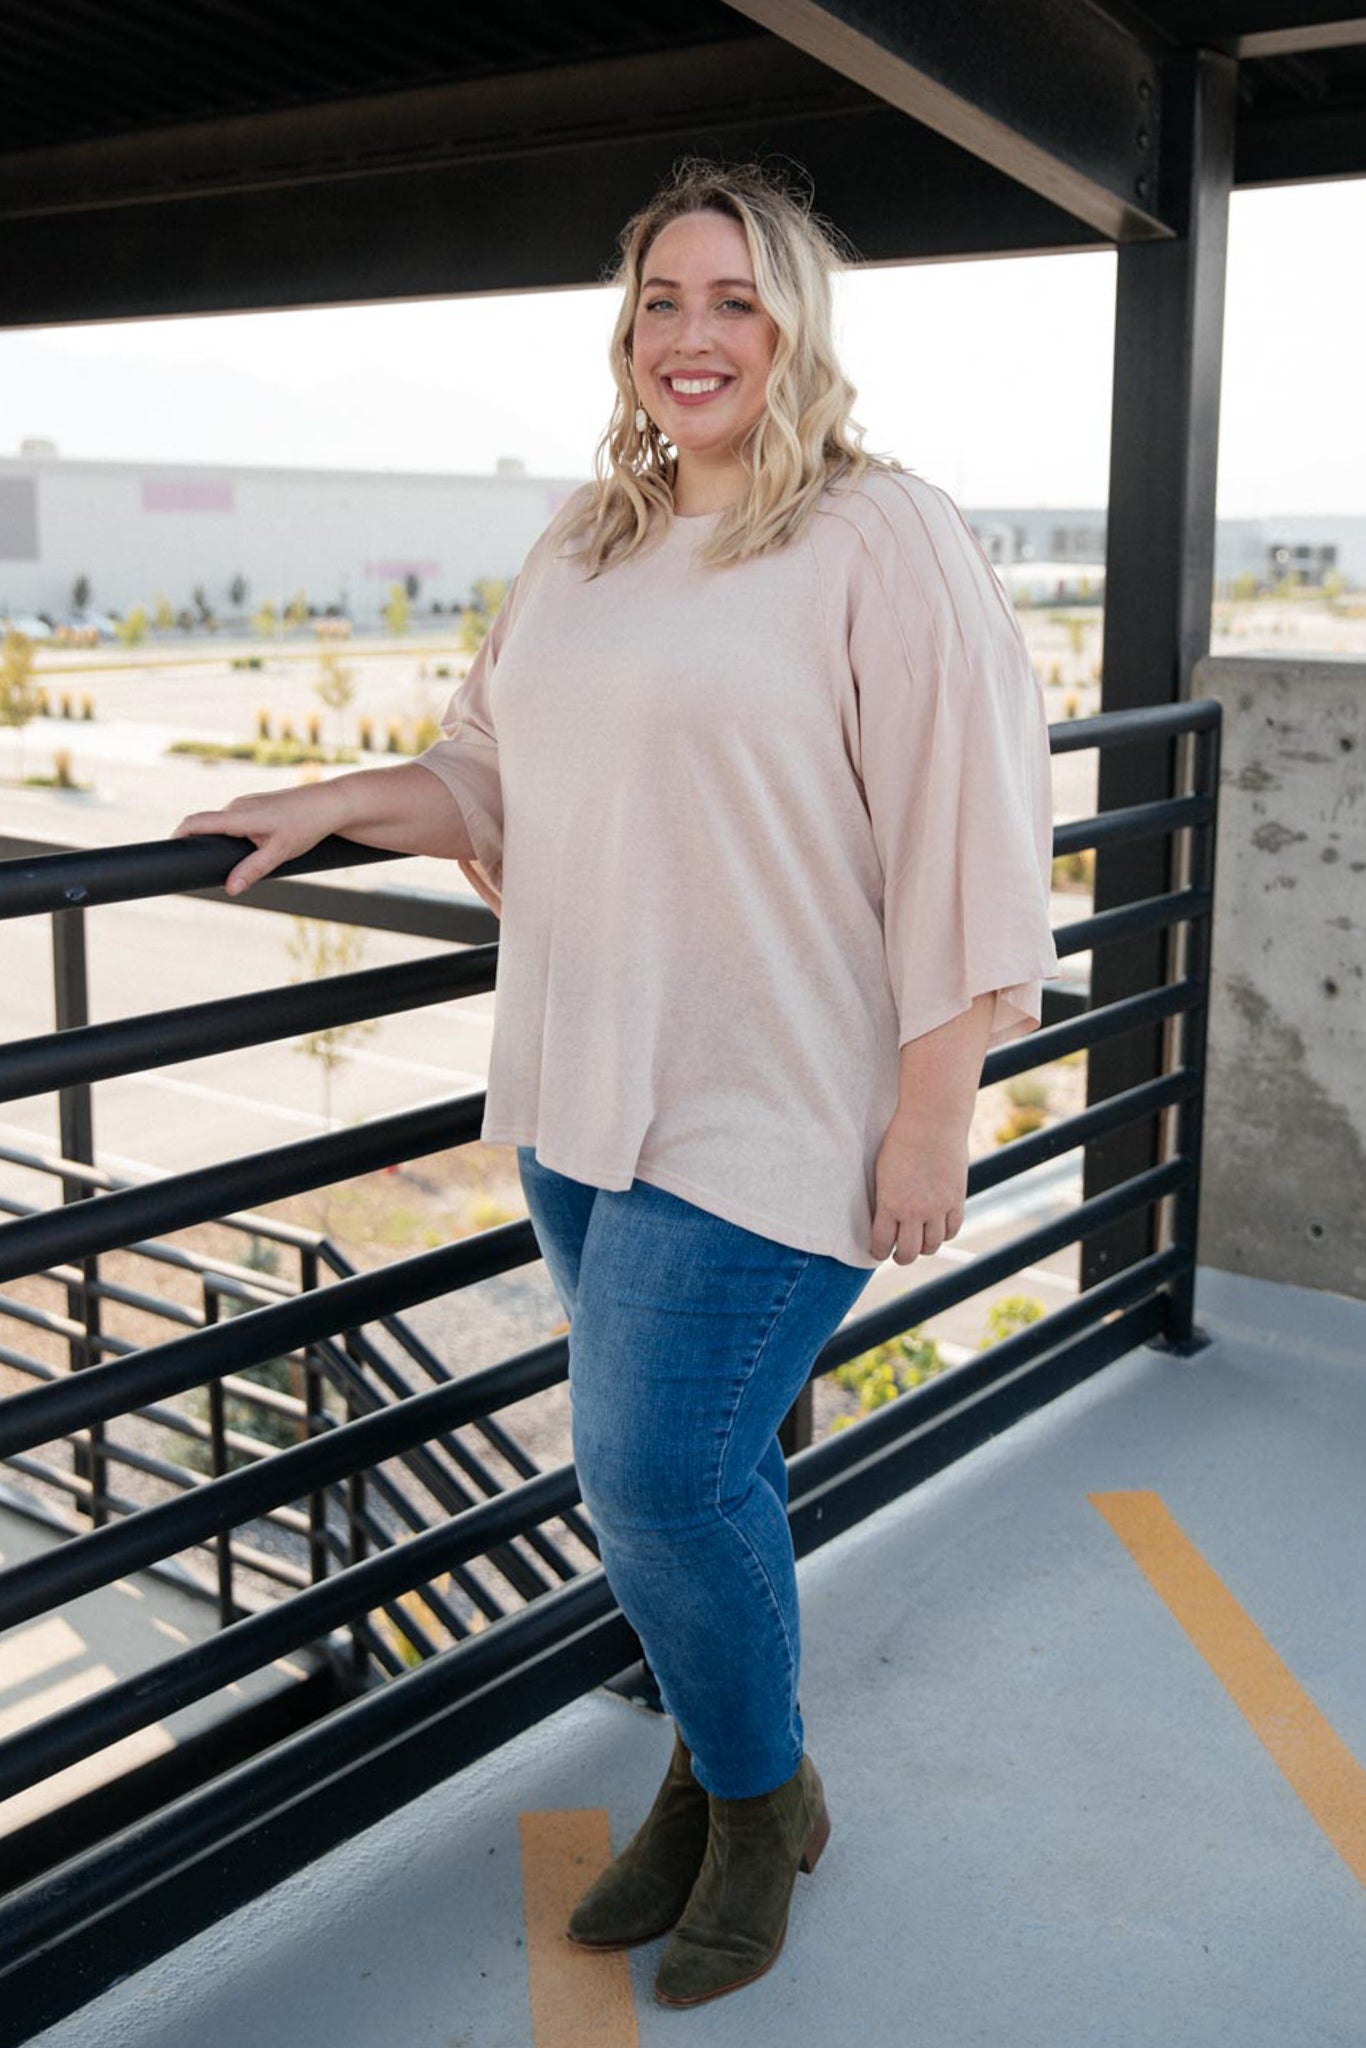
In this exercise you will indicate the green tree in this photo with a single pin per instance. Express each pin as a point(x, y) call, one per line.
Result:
point(336, 686)
point(412, 584)
point(237, 592)
point(132, 629)
point(395, 613)
point(80, 593)
point(296, 611)
point(264, 619)
point(163, 612)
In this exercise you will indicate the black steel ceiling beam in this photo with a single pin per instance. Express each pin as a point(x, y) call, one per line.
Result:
point(1293, 145)
point(528, 209)
point(1273, 28)
point(1057, 95)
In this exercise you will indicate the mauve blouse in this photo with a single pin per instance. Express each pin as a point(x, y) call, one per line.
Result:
point(750, 830)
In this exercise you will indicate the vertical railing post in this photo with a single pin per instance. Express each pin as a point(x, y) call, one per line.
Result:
point(218, 1465)
point(1179, 1328)
point(356, 1537)
point(76, 1142)
point(315, 1421)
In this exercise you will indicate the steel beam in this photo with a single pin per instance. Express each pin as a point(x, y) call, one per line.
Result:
point(1159, 576)
point(1057, 95)
point(531, 220)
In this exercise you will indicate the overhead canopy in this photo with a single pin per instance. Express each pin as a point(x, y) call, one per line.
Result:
point(173, 156)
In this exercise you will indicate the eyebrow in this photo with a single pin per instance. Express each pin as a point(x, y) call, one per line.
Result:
point(673, 284)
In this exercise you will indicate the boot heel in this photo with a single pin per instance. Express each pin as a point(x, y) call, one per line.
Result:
point(816, 1841)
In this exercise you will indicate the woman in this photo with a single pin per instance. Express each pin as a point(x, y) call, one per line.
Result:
point(754, 766)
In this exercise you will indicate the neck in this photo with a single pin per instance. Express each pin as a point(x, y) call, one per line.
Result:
point(702, 486)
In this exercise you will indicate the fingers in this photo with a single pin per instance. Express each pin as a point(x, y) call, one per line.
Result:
point(905, 1239)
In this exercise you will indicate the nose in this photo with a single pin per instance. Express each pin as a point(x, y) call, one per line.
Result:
point(695, 332)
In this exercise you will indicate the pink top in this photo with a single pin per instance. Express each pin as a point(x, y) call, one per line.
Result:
point(753, 828)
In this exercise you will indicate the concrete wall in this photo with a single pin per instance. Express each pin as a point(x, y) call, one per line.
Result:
point(1284, 1193)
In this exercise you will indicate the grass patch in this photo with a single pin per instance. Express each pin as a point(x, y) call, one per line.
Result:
point(264, 753)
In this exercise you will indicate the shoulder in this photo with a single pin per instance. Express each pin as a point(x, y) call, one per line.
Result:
point(895, 530)
point(890, 509)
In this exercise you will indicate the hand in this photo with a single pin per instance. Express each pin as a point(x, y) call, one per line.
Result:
point(921, 1181)
point(282, 824)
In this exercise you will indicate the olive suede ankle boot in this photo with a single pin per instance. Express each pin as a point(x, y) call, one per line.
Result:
point(642, 1892)
point(736, 1919)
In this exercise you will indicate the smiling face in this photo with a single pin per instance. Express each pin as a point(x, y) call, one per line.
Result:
point(701, 349)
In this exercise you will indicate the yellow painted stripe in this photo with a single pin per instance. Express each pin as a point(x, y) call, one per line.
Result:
point(576, 1996)
point(1309, 1753)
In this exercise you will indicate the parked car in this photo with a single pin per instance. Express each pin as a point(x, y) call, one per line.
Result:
point(101, 622)
point(27, 623)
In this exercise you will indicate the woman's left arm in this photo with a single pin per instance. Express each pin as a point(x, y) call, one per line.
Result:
point(922, 1164)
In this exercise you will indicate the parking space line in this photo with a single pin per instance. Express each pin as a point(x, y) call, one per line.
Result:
point(1308, 1752)
point(576, 1996)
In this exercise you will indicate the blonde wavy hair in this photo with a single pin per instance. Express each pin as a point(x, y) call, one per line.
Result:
point(802, 442)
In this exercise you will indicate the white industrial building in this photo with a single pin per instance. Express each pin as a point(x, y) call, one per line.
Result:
point(344, 537)
point(137, 530)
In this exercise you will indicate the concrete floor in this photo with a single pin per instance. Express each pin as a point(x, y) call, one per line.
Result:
point(1053, 1828)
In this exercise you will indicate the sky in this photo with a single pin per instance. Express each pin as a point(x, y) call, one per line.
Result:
point(990, 378)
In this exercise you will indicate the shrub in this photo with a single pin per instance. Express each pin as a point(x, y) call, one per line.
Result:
point(887, 1371)
point(1027, 1091)
point(1018, 1124)
point(1011, 1313)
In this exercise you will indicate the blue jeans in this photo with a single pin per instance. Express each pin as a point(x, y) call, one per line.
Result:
point(689, 1340)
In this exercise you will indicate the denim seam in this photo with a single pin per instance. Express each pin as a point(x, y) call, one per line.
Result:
point(755, 1560)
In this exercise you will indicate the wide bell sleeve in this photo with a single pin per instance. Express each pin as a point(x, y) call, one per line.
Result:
point(465, 758)
point(954, 761)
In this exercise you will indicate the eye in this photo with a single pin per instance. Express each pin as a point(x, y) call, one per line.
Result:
point(744, 305)
point(653, 305)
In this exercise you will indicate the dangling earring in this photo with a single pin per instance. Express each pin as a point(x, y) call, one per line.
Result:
point(641, 421)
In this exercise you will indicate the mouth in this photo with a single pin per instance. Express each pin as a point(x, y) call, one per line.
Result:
point(695, 390)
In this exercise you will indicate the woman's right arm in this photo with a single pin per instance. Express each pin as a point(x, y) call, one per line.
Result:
point(406, 809)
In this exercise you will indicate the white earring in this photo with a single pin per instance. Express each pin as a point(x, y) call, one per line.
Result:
point(641, 421)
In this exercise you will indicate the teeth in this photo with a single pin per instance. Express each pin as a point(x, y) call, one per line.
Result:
point(693, 387)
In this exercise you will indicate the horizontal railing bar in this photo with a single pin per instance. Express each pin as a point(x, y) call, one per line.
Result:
point(52, 1475)
point(249, 1645)
point(162, 1038)
point(1131, 920)
point(192, 1827)
point(426, 1464)
point(1133, 727)
point(407, 912)
point(1132, 821)
point(292, 1236)
point(153, 867)
point(45, 1319)
point(204, 1193)
point(383, 1539)
point(96, 1559)
point(1008, 1161)
point(101, 1391)
point(908, 1461)
point(932, 1297)
point(1109, 1020)
point(268, 1565)
point(832, 1459)
point(21, 1362)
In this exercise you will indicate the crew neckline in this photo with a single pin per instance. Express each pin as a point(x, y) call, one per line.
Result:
point(703, 515)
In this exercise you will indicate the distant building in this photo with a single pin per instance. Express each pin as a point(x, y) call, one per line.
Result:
point(344, 537)
point(1054, 543)
point(135, 530)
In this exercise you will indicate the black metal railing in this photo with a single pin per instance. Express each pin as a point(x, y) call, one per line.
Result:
point(166, 1866)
